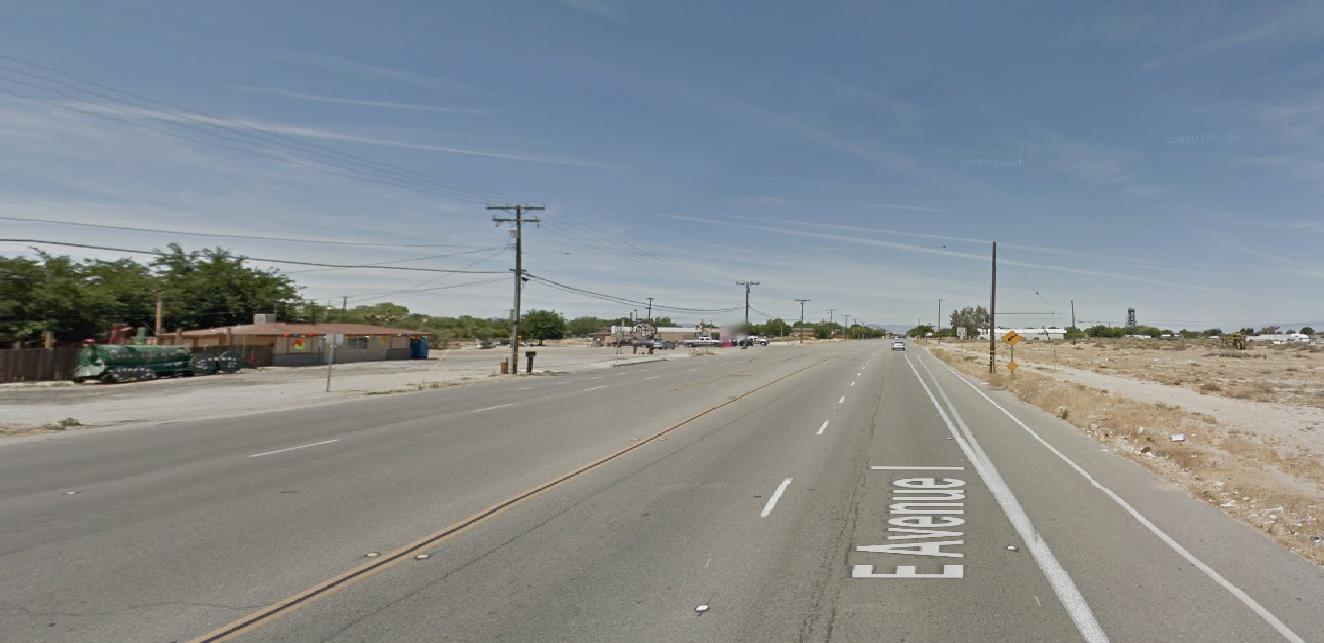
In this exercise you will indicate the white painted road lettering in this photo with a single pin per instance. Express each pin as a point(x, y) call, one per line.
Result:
point(922, 515)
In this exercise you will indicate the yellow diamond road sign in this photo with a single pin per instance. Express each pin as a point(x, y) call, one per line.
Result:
point(1012, 337)
point(1012, 366)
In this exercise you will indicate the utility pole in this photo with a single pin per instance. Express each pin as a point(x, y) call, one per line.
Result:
point(1073, 322)
point(992, 311)
point(159, 308)
point(518, 220)
point(830, 311)
point(937, 332)
point(650, 310)
point(747, 284)
point(344, 305)
point(846, 331)
point(801, 330)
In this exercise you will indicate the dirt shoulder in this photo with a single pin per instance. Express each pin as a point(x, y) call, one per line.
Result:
point(1258, 461)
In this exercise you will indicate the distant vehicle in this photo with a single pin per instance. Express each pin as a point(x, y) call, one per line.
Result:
point(898, 346)
point(755, 339)
point(663, 344)
point(702, 341)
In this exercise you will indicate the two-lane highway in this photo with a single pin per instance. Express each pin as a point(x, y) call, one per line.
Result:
point(821, 492)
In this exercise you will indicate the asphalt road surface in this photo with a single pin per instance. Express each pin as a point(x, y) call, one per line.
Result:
point(831, 492)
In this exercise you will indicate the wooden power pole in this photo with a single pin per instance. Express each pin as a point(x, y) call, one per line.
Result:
point(519, 221)
point(992, 311)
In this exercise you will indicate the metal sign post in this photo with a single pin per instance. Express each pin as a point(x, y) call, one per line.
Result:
point(1012, 338)
point(333, 339)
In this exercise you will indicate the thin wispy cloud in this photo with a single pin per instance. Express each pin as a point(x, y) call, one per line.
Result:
point(340, 64)
point(604, 8)
point(305, 131)
point(1007, 245)
point(906, 247)
point(318, 98)
point(834, 184)
point(917, 208)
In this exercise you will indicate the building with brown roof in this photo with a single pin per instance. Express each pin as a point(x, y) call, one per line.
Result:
point(308, 344)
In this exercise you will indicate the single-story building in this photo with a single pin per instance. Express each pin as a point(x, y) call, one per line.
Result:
point(306, 344)
point(1031, 334)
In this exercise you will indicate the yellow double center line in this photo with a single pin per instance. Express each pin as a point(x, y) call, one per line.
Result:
point(340, 581)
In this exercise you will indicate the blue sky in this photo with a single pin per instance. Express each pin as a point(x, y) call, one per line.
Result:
point(857, 154)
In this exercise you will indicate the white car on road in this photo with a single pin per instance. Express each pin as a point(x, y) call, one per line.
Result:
point(898, 345)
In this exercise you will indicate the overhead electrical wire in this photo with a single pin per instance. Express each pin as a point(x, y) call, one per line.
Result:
point(158, 253)
point(106, 226)
point(238, 132)
point(624, 300)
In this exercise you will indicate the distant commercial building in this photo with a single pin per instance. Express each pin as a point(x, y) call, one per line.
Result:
point(1031, 334)
point(306, 344)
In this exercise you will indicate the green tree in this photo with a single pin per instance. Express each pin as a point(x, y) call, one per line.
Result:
point(584, 326)
point(663, 321)
point(972, 318)
point(542, 325)
point(1212, 332)
point(1306, 330)
point(1074, 333)
point(919, 331)
point(775, 327)
point(210, 288)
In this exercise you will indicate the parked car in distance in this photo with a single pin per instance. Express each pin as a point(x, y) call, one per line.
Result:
point(898, 345)
point(663, 344)
point(756, 340)
point(702, 341)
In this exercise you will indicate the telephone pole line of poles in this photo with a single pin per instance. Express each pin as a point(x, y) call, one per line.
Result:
point(1073, 322)
point(992, 311)
point(519, 221)
point(846, 332)
point(937, 332)
point(747, 284)
point(650, 310)
point(800, 332)
point(830, 311)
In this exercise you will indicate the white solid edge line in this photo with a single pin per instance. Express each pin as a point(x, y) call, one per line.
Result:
point(489, 408)
point(652, 377)
point(776, 495)
point(1245, 598)
point(301, 446)
point(822, 428)
point(843, 399)
point(1058, 578)
point(594, 388)
point(914, 468)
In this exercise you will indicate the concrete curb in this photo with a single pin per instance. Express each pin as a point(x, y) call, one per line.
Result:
point(642, 361)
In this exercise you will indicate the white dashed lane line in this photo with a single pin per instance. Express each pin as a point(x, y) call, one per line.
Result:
point(301, 446)
point(489, 408)
point(842, 400)
point(822, 428)
point(776, 495)
point(594, 388)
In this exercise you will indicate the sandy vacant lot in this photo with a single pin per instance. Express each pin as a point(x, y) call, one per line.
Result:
point(1253, 425)
point(1288, 374)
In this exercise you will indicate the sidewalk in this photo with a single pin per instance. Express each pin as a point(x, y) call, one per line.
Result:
point(25, 407)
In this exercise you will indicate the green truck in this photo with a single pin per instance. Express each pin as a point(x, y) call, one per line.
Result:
point(111, 363)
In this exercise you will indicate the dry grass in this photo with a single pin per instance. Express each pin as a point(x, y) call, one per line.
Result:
point(1264, 484)
point(1291, 374)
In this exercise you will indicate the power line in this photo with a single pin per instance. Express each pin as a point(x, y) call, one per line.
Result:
point(158, 253)
point(261, 136)
point(623, 300)
point(106, 226)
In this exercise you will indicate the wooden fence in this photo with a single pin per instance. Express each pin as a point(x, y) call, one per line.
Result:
point(38, 364)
